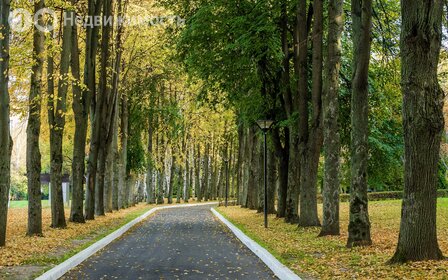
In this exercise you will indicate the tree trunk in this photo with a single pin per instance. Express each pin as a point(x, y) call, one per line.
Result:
point(311, 154)
point(187, 183)
point(161, 173)
point(330, 192)
point(179, 183)
point(5, 139)
point(246, 167)
point(239, 166)
point(272, 181)
point(359, 226)
point(423, 123)
point(81, 113)
point(56, 118)
point(106, 100)
point(206, 182)
point(122, 185)
point(198, 174)
point(172, 177)
point(150, 169)
point(95, 7)
point(33, 156)
point(254, 168)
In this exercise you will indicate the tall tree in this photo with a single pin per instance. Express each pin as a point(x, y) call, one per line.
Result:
point(310, 139)
point(80, 106)
point(330, 191)
point(359, 226)
point(104, 110)
point(33, 156)
point(423, 123)
point(94, 10)
point(56, 120)
point(122, 180)
point(5, 139)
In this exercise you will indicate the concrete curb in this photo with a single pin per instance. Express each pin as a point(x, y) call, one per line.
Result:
point(280, 270)
point(74, 261)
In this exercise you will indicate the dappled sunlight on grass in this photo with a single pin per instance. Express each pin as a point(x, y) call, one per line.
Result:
point(328, 258)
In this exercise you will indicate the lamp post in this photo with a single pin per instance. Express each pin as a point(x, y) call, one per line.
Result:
point(265, 126)
point(226, 161)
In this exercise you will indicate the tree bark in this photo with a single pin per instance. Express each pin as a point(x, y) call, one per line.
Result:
point(272, 181)
point(5, 139)
point(122, 185)
point(150, 169)
point(359, 225)
point(423, 122)
point(172, 177)
point(102, 116)
point(81, 113)
point(239, 166)
point(94, 9)
point(33, 156)
point(310, 142)
point(206, 181)
point(330, 192)
point(254, 167)
point(56, 118)
point(198, 186)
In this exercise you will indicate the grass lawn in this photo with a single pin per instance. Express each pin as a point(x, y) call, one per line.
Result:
point(328, 258)
point(24, 204)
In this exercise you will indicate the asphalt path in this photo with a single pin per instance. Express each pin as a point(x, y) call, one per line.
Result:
point(176, 243)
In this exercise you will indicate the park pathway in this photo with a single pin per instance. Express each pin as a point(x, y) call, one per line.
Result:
point(176, 243)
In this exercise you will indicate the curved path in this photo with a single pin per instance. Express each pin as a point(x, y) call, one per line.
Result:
point(177, 243)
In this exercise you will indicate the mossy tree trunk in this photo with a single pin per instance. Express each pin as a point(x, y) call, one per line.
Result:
point(359, 225)
point(330, 191)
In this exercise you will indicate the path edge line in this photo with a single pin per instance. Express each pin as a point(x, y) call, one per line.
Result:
point(279, 269)
point(62, 268)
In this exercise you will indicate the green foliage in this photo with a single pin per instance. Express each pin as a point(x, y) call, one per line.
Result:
point(18, 186)
point(443, 182)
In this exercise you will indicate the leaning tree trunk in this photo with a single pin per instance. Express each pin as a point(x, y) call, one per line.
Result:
point(5, 139)
point(33, 156)
point(423, 99)
point(330, 192)
point(359, 226)
point(56, 118)
point(310, 157)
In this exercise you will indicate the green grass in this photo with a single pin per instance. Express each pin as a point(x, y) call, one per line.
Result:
point(24, 204)
point(328, 258)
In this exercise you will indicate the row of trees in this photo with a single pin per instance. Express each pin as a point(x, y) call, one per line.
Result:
point(285, 61)
point(135, 120)
point(331, 85)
